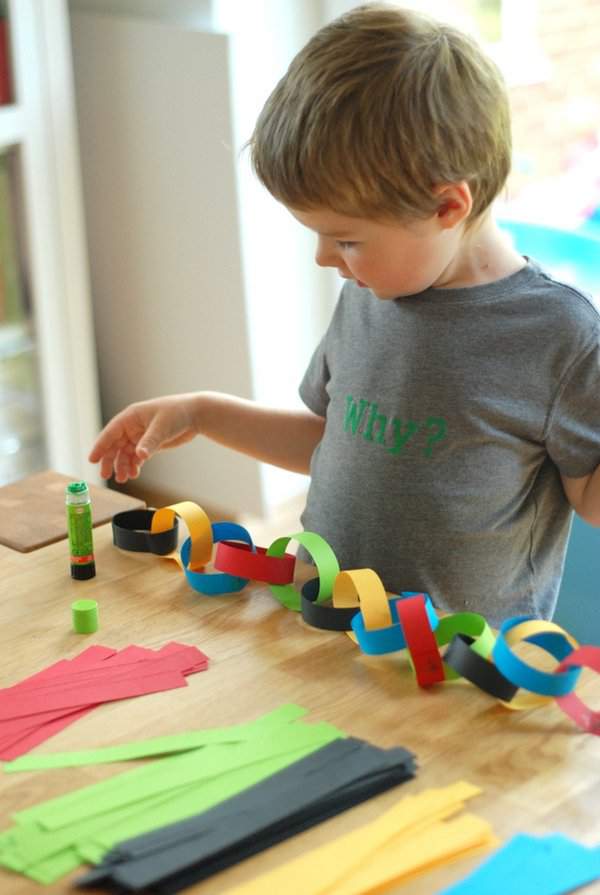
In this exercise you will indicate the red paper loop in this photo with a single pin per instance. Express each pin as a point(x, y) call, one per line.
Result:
point(571, 704)
point(420, 640)
point(239, 560)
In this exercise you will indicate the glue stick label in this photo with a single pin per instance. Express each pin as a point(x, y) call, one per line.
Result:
point(81, 545)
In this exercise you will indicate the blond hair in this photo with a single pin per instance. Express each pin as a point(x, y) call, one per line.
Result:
point(381, 106)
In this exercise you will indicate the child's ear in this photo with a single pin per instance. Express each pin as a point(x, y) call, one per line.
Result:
point(454, 203)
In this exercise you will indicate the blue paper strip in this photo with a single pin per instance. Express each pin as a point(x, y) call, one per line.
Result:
point(530, 865)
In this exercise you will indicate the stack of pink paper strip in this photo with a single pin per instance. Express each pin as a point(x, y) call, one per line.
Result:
point(41, 705)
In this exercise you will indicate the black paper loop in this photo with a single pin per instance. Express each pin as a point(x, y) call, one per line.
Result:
point(325, 617)
point(479, 671)
point(131, 531)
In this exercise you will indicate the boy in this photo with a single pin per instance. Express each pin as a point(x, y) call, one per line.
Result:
point(454, 403)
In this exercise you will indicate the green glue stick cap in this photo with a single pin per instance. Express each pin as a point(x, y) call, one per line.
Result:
point(85, 616)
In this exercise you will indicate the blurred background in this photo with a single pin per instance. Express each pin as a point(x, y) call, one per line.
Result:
point(138, 256)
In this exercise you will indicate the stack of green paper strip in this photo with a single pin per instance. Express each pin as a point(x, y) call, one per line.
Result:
point(53, 838)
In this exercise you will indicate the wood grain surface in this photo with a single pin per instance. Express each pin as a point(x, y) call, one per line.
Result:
point(32, 511)
point(539, 773)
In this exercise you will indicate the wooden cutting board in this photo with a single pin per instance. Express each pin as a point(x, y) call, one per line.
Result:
point(32, 511)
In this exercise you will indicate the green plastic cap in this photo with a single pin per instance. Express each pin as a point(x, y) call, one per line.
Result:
point(85, 616)
point(77, 487)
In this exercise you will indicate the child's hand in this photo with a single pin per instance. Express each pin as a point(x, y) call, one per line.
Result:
point(139, 431)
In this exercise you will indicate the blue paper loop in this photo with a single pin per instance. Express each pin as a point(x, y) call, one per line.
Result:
point(523, 675)
point(215, 584)
point(390, 639)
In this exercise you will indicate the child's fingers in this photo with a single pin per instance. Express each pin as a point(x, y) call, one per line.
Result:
point(106, 465)
point(134, 467)
point(121, 465)
point(152, 439)
point(95, 454)
point(107, 442)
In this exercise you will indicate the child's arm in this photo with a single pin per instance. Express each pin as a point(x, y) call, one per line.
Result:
point(285, 438)
point(584, 495)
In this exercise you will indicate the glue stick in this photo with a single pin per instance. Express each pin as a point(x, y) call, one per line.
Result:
point(79, 527)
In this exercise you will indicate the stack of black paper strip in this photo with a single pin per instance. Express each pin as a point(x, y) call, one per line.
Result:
point(331, 780)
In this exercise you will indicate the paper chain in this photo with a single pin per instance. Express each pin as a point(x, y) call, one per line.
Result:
point(355, 601)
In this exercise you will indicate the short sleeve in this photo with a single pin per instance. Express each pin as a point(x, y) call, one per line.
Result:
point(573, 431)
point(313, 388)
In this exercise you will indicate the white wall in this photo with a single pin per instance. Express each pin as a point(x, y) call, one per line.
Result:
point(159, 188)
point(189, 13)
point(287, 299)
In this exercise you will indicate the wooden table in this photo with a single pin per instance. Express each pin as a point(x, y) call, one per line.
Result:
point(539, 773)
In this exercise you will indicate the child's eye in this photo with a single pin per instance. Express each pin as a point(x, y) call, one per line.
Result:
point(345, 245)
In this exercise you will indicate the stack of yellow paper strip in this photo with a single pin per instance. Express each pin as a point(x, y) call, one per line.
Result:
point(417, 834)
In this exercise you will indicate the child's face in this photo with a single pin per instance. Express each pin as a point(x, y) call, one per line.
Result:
point(393, 260)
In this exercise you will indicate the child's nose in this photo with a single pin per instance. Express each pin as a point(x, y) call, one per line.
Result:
point(326, 254)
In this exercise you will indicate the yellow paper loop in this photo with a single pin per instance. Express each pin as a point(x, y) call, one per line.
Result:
point(363, 588)
point(198, 525)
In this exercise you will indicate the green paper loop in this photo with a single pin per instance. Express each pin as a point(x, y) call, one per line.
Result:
point(470, 623)
point(324, 559)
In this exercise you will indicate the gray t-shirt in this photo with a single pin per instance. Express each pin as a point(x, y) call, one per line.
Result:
point(448, 417)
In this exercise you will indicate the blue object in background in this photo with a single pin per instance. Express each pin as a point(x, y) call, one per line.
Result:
point(569, 256)
point(574, 258)
point(591, 226)
point(578, 607)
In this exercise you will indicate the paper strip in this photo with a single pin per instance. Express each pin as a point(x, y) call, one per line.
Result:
point(549, 865)
point(179, 742)
point(321, 785)
point(129, 804)
point(323, 869)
